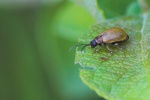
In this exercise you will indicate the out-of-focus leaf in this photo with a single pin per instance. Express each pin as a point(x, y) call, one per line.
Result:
point(61, 77)
point(148, 2)
point(125, 74)
point(144, 5)
point(133, 9)
point(21, 73)
point(72, 21)
point(114, 8)
point(92, 7)
point(24, 3)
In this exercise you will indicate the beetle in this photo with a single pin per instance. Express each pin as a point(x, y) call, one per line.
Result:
point(112, 36)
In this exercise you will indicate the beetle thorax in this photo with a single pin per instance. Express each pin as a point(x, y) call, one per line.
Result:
point(99, 39)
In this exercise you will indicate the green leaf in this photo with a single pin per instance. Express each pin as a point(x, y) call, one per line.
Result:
point(114, 8)
point(133, 9)
point(92, 7)
point(72, 19)
point(148, 2)
point(124, 75)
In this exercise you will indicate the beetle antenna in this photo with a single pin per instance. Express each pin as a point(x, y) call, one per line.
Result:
point(84, 47)
point(79, 45)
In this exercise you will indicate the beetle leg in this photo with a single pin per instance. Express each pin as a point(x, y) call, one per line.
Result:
point(117, 45)
point(109, 49)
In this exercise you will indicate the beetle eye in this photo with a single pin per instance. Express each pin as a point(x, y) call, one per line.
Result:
point(93, 43)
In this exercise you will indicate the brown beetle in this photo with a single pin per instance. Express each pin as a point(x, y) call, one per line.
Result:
point(111, 36)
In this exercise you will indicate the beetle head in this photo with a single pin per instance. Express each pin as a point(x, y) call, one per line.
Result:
point(93, 43)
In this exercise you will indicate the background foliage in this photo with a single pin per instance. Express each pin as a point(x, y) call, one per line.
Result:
point(35, 38)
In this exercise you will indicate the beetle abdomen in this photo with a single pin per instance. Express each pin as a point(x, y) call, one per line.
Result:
point(113, 35)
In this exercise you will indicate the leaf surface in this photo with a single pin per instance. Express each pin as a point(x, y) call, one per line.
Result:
point(124, 75)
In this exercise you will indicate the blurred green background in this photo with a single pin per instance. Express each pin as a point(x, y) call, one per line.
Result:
point(35, 37)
